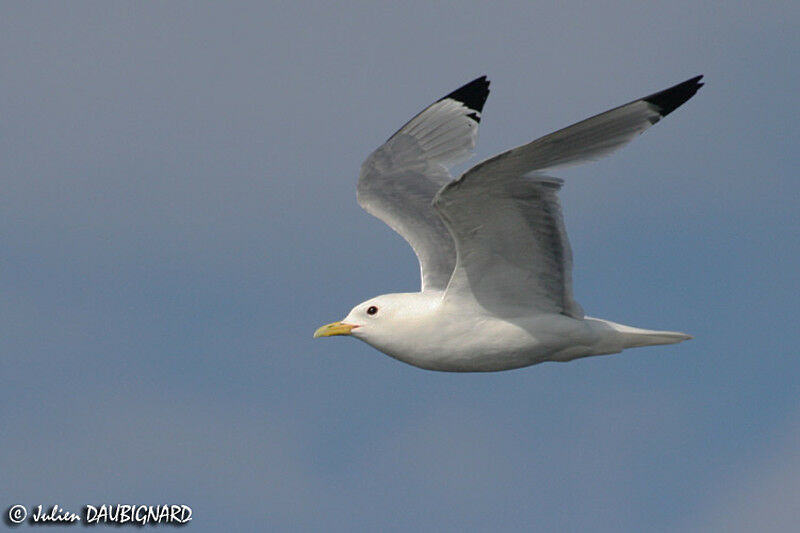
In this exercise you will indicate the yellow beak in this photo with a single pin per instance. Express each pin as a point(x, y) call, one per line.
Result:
point(336, 328)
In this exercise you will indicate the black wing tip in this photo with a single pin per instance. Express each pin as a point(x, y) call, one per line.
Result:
point(473, 95)
point(671, 99)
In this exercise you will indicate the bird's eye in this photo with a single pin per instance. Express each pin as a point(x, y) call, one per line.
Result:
point(372, 310)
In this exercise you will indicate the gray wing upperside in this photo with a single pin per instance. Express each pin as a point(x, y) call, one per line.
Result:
point(512, 249)
point(399, 180)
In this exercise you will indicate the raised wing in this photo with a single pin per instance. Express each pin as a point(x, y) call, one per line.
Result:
point(512, 250)
point(399, 180)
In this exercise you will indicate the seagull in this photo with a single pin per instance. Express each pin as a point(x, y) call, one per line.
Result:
point(495, 262)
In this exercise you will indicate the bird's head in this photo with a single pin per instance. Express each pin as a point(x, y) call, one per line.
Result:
point(365, 318)
point(382, 319)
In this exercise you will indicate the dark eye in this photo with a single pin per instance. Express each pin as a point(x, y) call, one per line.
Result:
point(372, 310)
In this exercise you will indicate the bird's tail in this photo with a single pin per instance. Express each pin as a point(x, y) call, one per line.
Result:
point(630, 337)
point(634, 337)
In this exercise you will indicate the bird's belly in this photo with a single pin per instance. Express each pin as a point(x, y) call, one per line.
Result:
point(488, 345)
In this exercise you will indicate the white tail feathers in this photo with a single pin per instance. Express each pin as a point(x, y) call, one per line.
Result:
point(634, 337)
point(630, 337)
point(652, 338)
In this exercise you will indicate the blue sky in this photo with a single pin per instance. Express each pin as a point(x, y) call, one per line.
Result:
point(178, 215)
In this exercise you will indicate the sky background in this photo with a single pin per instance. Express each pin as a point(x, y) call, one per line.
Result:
point(178, 215)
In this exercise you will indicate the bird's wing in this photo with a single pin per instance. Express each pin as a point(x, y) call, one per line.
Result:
point(399, 180)
point(513, 255)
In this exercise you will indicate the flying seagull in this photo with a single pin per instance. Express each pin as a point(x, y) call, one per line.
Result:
point(494, 258)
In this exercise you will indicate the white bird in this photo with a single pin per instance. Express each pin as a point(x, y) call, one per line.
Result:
point(494, 258)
